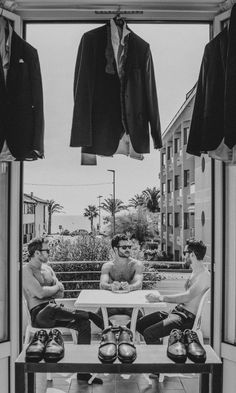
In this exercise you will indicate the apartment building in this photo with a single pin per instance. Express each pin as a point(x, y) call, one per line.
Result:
point(35, 217)
point(185, 180)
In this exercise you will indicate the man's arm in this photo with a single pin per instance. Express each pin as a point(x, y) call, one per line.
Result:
point(60, 293)
point(137, 281)
point(32, 285)
point(105, 278)
point(183, 297)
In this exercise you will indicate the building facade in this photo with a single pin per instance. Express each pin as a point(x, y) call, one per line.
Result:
point(35, 217)
point(185, 187)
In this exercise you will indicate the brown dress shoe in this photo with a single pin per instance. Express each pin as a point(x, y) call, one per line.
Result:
point(126, 348)
point(176, 350)
point(54, 349)
point(36, 347)
point(107, 351)
point(195, 350)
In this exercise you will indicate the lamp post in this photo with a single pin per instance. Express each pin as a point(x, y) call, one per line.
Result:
point(114, 198)
point(99, 212)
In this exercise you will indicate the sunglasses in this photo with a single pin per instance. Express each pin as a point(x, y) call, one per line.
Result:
point(186, 252)
point(45, 249)
point(124, 247)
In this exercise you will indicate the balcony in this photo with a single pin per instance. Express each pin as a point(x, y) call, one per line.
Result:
point(179, 161)
point(191, 195)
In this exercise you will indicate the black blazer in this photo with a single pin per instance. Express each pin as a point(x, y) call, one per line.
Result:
point(207, 125)
point(97, 116)
point(21, 102)
point(214, 114)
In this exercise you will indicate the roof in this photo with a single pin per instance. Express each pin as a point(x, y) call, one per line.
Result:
point(34, 199)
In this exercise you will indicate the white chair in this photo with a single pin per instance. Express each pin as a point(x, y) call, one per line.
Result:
point(30, 330)
point(197, 323)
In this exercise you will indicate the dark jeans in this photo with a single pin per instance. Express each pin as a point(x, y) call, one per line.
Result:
point(118, 311)
point(49, 315)
point(159, 324)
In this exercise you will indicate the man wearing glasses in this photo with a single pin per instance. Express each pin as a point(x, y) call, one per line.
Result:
point(122, 274)
point(41, 288)
point(160, 323)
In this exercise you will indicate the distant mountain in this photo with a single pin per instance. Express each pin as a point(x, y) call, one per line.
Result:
point(70, 222)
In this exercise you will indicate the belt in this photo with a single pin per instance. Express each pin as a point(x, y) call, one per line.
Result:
point(183, 310)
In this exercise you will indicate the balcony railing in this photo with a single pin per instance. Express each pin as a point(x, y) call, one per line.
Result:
point(76, 280)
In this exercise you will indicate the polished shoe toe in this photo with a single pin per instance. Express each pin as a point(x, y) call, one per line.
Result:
point(176, 350)
point(36, 348)
point(107, 351)
point(54, 350)
point(195, 350)
point(126, 349)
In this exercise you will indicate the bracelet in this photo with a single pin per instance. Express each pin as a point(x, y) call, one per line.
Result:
point(161, 298)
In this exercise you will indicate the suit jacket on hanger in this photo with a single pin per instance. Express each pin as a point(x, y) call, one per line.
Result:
point(214, 113)
point(21, 102)
point(97, 117)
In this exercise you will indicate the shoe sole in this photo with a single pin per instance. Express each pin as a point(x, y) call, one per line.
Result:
point(33, 359)
point(103, 360)
point(177, 359)
point(197, 359)
point(123, 360)
point(53, 359)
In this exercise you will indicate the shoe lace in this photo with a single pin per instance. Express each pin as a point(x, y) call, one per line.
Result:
point(55, 334)
point(192, 336)
point(177, 334)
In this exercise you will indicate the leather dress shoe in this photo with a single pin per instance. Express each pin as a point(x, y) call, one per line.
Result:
point(36, 348)
point(126, 348)
point(176, 350)
point(54, 349)
point(107, 351)
point(195, 350)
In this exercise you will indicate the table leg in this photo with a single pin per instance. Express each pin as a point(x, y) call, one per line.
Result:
point(31, 382)
point(19, 378)
point(217, 378)
point(105, 317)
point(134, 320)
point(204, 383)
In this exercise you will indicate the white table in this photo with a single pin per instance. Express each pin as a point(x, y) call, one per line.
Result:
point(106, 299)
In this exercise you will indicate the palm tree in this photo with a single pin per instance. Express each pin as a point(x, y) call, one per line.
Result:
point(53, 207)
point(112, 206)
point(137, 200)
point(152, 199)
point(91, 212)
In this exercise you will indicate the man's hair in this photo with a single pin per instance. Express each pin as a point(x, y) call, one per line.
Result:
point(198, 247)
point(36, 244)
point(117, 238)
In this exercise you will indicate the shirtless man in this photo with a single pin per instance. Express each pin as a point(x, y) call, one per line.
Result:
point(41, 288)
point(159, 324)
point(122, 274)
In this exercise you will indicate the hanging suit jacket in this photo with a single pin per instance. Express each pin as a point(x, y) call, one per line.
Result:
point(21, 102)
point(214, 113)
point(102, 109)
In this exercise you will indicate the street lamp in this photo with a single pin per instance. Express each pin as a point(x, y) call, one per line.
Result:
point(114, 198)
point(99, 212)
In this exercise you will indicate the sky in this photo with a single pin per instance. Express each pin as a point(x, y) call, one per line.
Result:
point(177, 51)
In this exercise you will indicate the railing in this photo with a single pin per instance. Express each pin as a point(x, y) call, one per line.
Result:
point(79, 278)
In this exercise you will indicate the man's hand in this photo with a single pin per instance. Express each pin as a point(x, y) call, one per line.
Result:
point(60, 286)
point(125, 286)
point(152, 298)
point(115, 286)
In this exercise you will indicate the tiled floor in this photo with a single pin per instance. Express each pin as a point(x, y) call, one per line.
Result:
point(67, 383)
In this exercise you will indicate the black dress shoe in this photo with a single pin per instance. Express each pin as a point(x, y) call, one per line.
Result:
point(126, 348)
point(195, 350)
point(107, 351)
point(86, 377)
point(36, 348)
point(54, 349)
point(176, 350)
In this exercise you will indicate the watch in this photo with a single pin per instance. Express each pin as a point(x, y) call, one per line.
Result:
point(161, 298)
